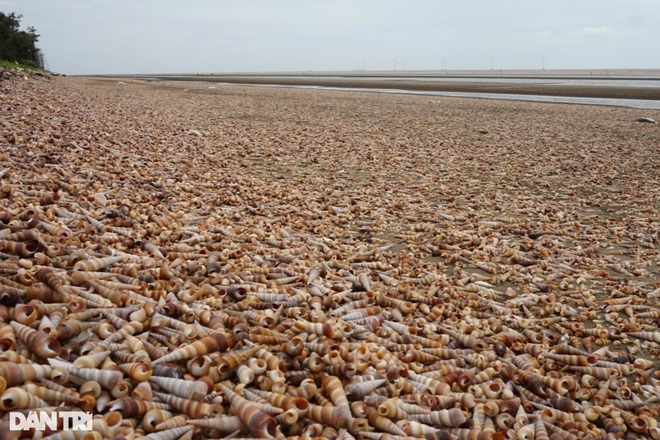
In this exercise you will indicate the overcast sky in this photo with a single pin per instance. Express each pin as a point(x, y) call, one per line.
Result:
point(173, 36)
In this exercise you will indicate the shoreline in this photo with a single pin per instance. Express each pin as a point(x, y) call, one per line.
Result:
point(579, 91)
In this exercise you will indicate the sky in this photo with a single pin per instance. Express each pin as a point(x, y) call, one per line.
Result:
point(203, 36)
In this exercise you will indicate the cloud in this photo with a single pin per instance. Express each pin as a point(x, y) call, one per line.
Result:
point(595, 32)
point(114, 36)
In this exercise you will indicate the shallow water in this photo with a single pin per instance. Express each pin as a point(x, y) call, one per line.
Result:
point(633, 103)
point(647, 82)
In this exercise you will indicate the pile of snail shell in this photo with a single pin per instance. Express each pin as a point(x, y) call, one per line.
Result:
point(169, 315)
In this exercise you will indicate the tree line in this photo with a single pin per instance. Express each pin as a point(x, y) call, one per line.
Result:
point(17, 45)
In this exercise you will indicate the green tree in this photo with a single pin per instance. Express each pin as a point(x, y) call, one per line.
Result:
point(17, 45)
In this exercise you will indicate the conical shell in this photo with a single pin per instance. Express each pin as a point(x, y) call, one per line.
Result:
point(142, 391)
point(434, 386)
point(49, 384)
point(327, 415)
point(358, 390)
point(186, 389)
point(244, 374)
point(192, 408)
point(258, 422)
point(415, 429)
point(169, 434)
point(540, 433)
point(154, 417)
point(50, 395)
point(383, 423)
point(96, 264)
point(283, 401)
point(224, 424)
point(452, 418)
point(115, 296)
point(174, 422)
point(107, 378)
point(108, 425)
point(648, 336)
point(137, 347)
point(228, 361)
point(17, 398)
point(137, 370)
point(22, 249)
point(25, 314)
point(92, 360)
point(335, 390)
point(41, 344)
point(130, 407)
point(321, 329)
point(582, 361)
point(212, 343)
point(288, 417)
point(16, 374)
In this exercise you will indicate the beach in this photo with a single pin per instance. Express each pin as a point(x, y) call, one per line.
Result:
point(396, 234)
point(638, 86)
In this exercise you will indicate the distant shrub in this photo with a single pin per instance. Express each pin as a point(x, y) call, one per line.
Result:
point(17, 45)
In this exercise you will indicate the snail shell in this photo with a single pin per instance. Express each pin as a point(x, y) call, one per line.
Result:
point(244, 374)
point(648, 336)
point(212, 343)
point(174, 422)
point(358, 390)
point(51, 395)
point(17, 374)
point(92, 360)
point(185, 389)
point(142, 391)
point(282, 401)
point(130, 407)
point(228, 361)
point(382, 423)
point(107, 378)
point(22, 249)
point(452, 418)
point(223, 423)
point(192, 408)
point(170, 434)
point(540, 433)
point(108, 425)
point(154, 417)
point(17, 398)
point(96, 264)
point(334, 388)
point(138, 371)
point(41, 344)
point(390, 410)
point(25, 314)
point(258, 422)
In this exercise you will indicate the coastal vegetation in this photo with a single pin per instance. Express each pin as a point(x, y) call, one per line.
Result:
point(18, 48)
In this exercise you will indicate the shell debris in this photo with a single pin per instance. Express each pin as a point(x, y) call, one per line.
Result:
point(325, 265)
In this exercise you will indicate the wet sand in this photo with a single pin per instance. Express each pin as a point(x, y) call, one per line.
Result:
point(611, 92)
